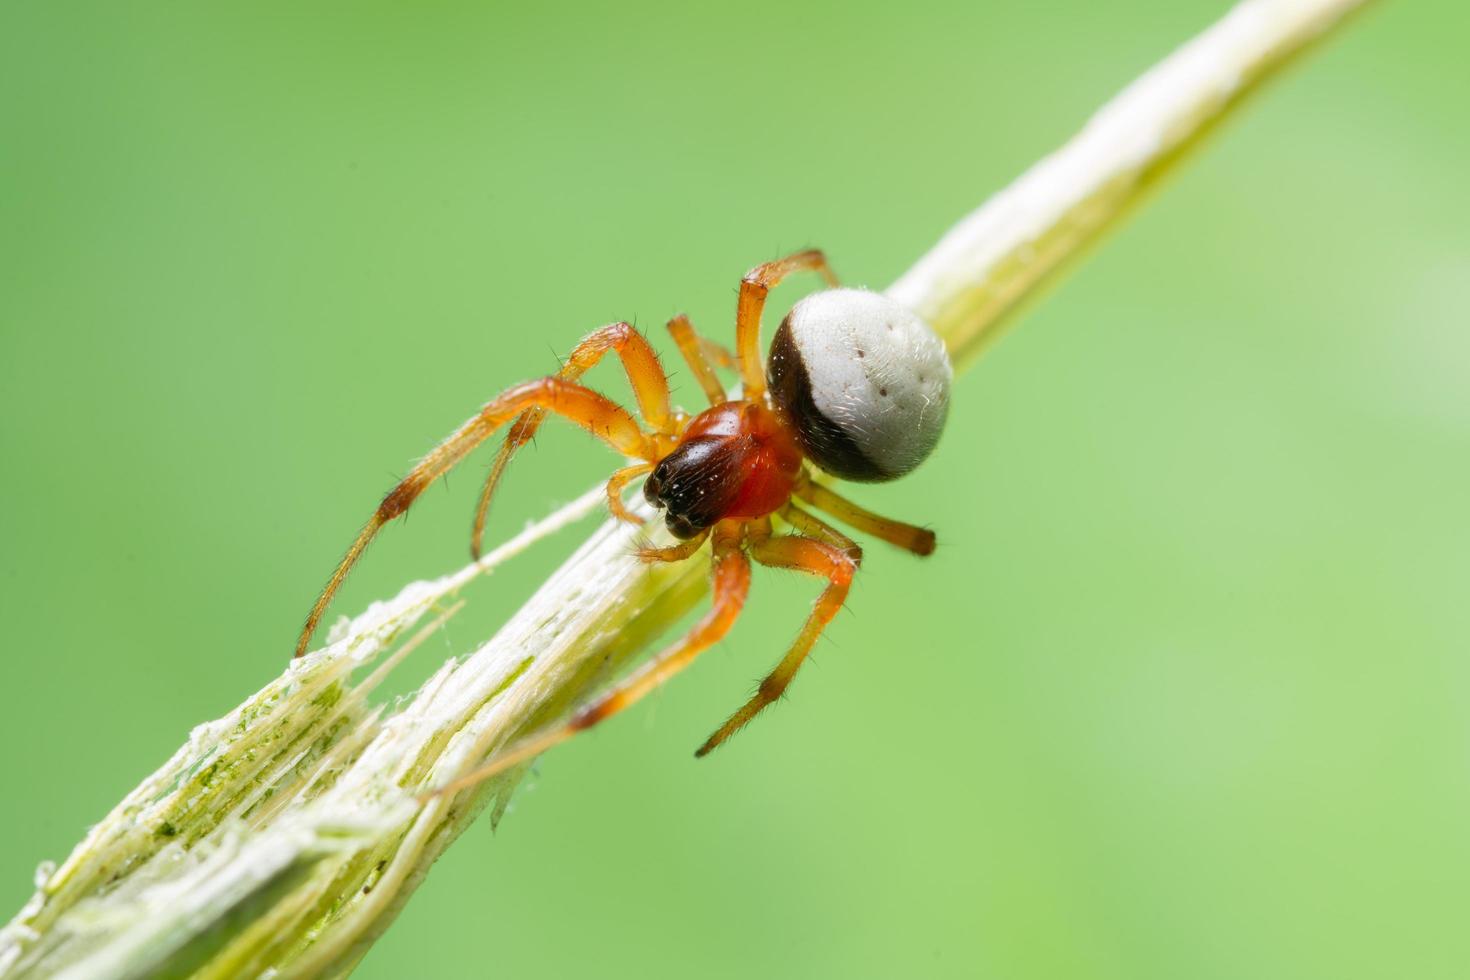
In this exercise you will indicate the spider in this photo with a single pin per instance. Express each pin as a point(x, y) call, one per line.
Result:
point(856, 385)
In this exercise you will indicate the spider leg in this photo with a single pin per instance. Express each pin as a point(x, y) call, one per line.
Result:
point(650, 388)
point(697, 353)
point(812, 526)
point(615, 485)
point(805, 555)
point(596, 413)
point(758, 282)
point(919, 540)
point(731, 583)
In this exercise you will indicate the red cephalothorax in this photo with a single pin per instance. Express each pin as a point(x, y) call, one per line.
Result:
point(859, 387)
point(735, 460)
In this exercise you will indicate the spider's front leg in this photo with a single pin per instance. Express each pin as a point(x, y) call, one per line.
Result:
point(730, 583)
point(645, 374)
point(596, 413)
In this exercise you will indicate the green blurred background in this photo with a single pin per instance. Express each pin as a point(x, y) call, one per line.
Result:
point(1185, 692)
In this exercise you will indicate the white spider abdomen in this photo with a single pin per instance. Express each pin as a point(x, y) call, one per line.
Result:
point(865, 381)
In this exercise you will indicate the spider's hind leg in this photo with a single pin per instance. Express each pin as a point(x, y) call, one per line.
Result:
point(909, 537)
point(813, 526)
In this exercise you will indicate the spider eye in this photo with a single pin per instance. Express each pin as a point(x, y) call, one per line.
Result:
point(865, 381)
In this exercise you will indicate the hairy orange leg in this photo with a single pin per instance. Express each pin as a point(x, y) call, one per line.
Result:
point(919, 540)
point(615, 486)
point(696, 355)
point(650, 388)
point(731, 583)
point(812, 526)
point(804, 555)
point(596, 413)
point(754, 288)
